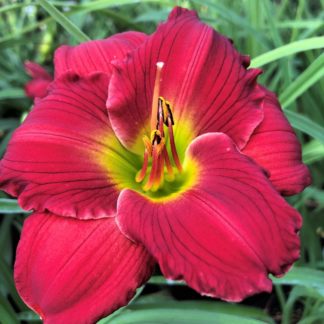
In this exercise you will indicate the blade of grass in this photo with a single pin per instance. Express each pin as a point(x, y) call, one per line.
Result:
point(311, 75)
point(313, 151)
point(71, 28)
point(28, 3)
point(253, 11)
point(11, 40)
point(289, 49)
point(4, 142)
point(7, 279)
point(235, 19)
point(8, 123)
point(11, 7)
point(285, 67)
point(13, 93)
point(305, 125)
point(29, 316)
point(7, 314)
point(316, 318)
point(303, 276)
point(296, 294)
point(10, 206)
point(182, 312)
point(299, 13)
point(102, 4)
point(300, 24)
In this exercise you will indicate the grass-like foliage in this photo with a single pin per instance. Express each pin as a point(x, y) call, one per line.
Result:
point(282, 37)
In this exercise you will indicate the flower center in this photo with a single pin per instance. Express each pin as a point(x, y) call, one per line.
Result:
point(155, 148)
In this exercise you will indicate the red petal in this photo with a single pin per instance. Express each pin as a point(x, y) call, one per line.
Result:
point(275, 147)
point(225, 233)
point(96, 55)
point(52, 159)
point(37, 88)
point(204, 78)
point(72, 271)
point(36, 71)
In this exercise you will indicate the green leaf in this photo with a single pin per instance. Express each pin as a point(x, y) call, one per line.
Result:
point(233, 18)
point(153, 15)
point(313, 319)
point(300, 24)
point(11, 7)
point(186, 313)
point(5, 234)
point(8, 123)
point(287, 50)
point(303, 276)
point(4, 142)
point(8, 282)
point(7, 314)
point(102, 4)
point(160, 280)
point(67, 24)
point(29, 316)
point(295, 295)
point(13, 93)
point(10, 206)
point(121, 309)
point(313, 151)
point(305, 80)
point(92, 6)
point(305, 125)
point(315, 194)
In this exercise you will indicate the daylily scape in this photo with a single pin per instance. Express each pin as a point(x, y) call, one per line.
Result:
point(152, 149)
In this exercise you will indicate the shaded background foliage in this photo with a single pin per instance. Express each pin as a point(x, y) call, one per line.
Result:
point(283, 37)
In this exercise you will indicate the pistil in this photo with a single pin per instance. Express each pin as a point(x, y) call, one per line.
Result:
point(155, 148)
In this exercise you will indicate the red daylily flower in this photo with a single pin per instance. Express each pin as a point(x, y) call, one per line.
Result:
point(147, 149)
point(37, 87)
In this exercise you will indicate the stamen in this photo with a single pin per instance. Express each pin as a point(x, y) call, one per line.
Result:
point(168, 165)
point(169, 113)
point(159, 174)
point(163, 104)
point(156, 93)
point(141, 174)
point(160, 118)
point(156, 137)
point(147, 145)
point(147, 153)
point(173, 147)
point(154, 169)
point(155, 149)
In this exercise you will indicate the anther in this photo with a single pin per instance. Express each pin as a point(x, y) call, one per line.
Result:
point(169, 113)
point(160, 113)
point(160, 117)
point(156, 137)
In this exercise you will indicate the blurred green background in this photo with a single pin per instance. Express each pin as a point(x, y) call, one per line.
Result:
point(285, 38)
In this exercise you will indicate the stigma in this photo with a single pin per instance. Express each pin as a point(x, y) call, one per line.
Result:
point(157, 164)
